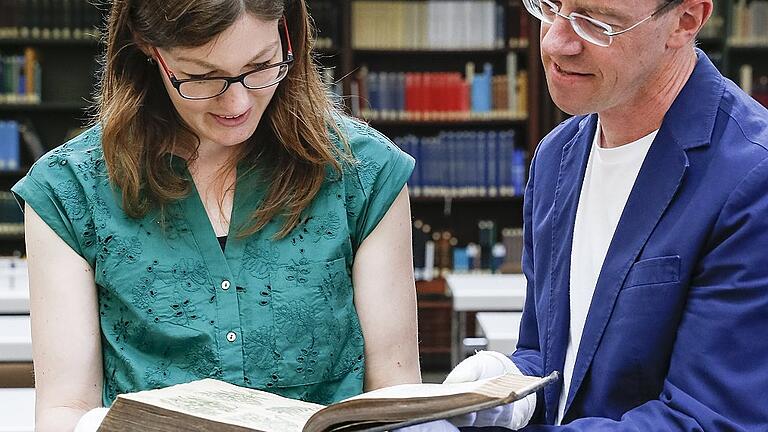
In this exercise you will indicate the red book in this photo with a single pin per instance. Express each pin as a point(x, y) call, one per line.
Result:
point(410, 91)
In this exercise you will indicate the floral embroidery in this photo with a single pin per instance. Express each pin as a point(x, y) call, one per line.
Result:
point(259, 259)
point(203, 362)
point(158, 375)
point(121, 330)
point(368, 169)
point(326, 227)
point(298, 271)
point(189, 271)
point(295, 321)
point(173, 222)
point(71, 196)
point(144, 295)
point(260, 348)
point(58, 158)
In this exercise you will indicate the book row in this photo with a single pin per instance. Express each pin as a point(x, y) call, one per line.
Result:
point(49, 19)
point(465, 164)
point(393, 93)
point(750, 23)
point(20, 78)
point(437, 253)
point(434, 25)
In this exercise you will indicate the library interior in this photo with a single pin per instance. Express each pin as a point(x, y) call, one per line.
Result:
point(456, 85)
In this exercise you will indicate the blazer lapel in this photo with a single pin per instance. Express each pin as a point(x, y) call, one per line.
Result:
point(656, 184)
point(570, 177)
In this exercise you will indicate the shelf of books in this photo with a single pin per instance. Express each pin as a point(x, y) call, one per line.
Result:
point(746, 45)
point(47, 74)
point(451, 83)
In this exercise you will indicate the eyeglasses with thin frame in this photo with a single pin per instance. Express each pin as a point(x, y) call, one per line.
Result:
point(207, 88)
point(590, 29)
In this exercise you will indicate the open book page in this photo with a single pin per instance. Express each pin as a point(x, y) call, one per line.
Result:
point(227, 403)
point(498, 387)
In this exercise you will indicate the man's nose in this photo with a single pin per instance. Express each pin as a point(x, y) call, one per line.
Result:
point(560, 39)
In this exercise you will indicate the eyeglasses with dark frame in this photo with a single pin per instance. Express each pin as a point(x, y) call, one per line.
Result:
point(588, 28)
point(207, 88)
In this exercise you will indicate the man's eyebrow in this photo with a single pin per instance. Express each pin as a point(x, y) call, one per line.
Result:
point(606, 12)
point(205, 64)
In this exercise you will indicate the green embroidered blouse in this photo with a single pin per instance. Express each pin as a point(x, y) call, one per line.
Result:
point(273, 315)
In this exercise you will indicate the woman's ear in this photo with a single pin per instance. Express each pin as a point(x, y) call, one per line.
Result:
point(144, 47)
point(692, 15)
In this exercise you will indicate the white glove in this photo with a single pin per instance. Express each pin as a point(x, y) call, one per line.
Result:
point(489, 364)
point(433, 426)
point(91, 421)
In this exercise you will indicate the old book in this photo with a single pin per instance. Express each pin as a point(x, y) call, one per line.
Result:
point(209, 404)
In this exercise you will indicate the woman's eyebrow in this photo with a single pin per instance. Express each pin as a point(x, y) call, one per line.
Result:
point(205, 64)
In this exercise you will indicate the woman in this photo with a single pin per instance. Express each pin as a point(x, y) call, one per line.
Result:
point(213, 125)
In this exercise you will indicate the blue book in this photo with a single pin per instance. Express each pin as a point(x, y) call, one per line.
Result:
point(5, 139)
point(506, 162)
point(385, 91)
point(373, 91)
point(400, 105)
point(9, 145)
point(482, 90)
point(482, 165)
point(491, 163)
point(518, 172)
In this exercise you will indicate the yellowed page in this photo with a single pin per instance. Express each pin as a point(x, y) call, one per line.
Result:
point(227, 403)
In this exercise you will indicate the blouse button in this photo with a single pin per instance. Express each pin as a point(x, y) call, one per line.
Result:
point(225, 284)
point(231, 336)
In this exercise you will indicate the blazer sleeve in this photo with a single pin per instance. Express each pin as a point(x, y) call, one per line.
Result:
point(717, 378)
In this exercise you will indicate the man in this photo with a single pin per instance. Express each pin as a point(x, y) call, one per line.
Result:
point(646, 232)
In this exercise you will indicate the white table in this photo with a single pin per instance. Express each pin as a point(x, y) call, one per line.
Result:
point(17, 410)
point(14, 297)
point(500, 329)
point(481, 292)
point(15, 338)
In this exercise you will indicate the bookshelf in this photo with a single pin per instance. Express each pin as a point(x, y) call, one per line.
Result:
point(736, 39)
point(47, 75)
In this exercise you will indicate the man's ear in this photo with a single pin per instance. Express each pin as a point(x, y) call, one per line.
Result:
point(691, 17)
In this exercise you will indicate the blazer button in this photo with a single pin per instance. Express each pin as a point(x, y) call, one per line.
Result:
point(225, 284)
point(231, 336)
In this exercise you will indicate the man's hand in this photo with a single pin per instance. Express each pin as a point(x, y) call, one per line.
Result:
point(489, 364)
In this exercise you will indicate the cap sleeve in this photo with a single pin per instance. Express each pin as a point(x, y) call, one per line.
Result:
point(55, 191)
point(379, 173)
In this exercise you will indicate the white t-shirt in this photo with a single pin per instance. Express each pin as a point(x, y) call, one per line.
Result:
point(608, 180)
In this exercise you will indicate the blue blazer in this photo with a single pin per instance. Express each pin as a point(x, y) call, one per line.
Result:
point(676, 337)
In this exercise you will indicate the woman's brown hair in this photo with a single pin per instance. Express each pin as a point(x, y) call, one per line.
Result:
point(140, 127)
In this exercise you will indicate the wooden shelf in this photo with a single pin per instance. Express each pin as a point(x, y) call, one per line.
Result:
point(89, 41)
point(14, 173)
point(467, 200)
point(43, 106)
point(499, 122)
point(747, 46)
point(429, 52)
